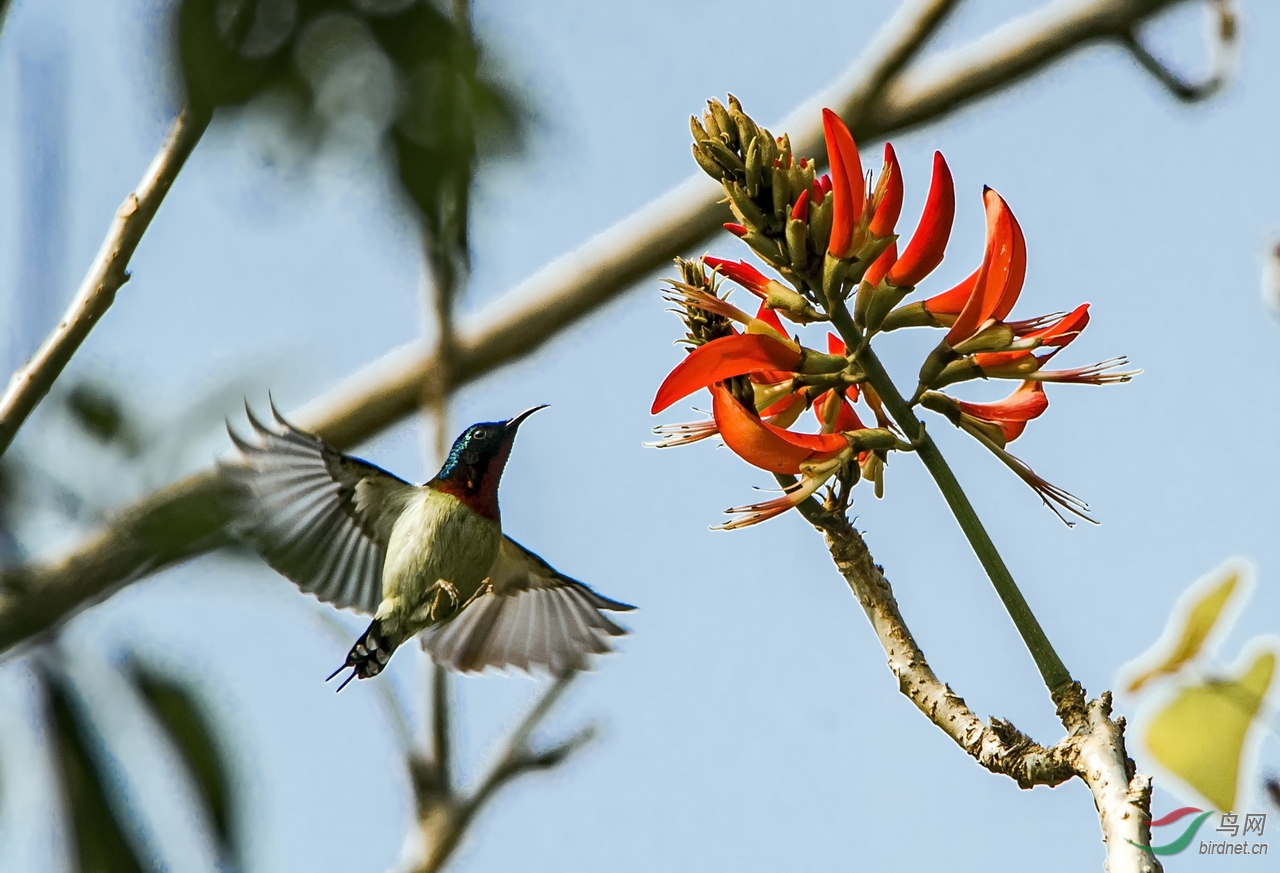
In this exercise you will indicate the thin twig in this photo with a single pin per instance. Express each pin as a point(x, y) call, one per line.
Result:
point(443, 817)
point(1222, 43)
point(107, 273)
point(185, 519)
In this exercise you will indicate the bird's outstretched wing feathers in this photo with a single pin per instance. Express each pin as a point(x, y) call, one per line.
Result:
point(528, 616)
point(319, 517)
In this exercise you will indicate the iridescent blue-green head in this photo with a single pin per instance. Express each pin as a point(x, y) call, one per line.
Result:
point(474, 466)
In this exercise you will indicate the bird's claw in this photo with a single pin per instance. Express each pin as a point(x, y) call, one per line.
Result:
point(443, 587)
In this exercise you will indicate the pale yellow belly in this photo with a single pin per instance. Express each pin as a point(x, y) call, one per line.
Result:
point(436, 538)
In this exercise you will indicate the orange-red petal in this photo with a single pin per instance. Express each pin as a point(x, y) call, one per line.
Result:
point(846, 183)
point(1017, 271)
point(845, 416)
point(888, 196)
point(724, 358)
point(763, 445)
point(770, 317)
point(739, 271)
point(993, 276)
point(1028, 401)
point(952, 302)
point(881, 265)
point(929, 242)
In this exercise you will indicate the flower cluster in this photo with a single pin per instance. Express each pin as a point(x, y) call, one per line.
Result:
point(832, 240)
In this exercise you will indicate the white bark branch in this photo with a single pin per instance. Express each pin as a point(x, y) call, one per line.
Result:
point(107, 273)
point(1093, 750)
point(185, 519)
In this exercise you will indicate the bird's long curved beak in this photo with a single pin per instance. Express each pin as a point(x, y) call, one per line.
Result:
point(514, 423)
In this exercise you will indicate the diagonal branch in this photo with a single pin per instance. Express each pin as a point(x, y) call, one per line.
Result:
point(1094, 748)
point(184, 519)
point(107, 273)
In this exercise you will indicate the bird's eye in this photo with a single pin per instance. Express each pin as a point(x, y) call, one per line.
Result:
point(480, 433)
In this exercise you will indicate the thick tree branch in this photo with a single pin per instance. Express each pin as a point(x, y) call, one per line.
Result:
point(185, 519)
point(1093, 749)
point(1000, 747)
point(107, 273)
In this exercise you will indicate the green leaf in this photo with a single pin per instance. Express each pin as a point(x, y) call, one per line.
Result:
point(180, 713)
point(1197, 623)
point(98, 411)
point(1200, 735)
point(100, 843)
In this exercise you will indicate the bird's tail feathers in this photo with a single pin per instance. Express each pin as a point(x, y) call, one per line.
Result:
point(369, 655)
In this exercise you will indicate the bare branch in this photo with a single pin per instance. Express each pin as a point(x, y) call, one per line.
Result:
point(441, 735)
point(443, 818)
point(1222, 44)
point(185, 519)
point(1093, 749)
point(107, 273)
point(999, 747)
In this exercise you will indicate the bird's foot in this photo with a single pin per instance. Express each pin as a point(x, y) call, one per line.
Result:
point(443, 589)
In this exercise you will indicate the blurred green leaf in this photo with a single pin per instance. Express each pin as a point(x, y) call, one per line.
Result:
point(177, 708)
point(100, 843)
point(399, 68)
point(100, 413)
point(1197, 624)
point(1200, 735)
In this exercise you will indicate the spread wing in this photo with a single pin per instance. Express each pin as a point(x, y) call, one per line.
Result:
point(527, 616)
point(317, 516)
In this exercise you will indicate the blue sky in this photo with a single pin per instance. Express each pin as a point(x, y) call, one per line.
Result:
point(749, 721)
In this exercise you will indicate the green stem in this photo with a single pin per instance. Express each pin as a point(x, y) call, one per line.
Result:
point(1052, 670)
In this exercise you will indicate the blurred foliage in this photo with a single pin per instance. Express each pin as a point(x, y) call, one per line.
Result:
point(95, 831)
point(399, 71)
point(1201, 732)
point(1196, 626)
point(176, 706)
point(100, 414)
point(93, 445)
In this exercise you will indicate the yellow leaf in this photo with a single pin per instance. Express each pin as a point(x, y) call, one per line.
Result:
point(1198, 622)
point(1200, 736)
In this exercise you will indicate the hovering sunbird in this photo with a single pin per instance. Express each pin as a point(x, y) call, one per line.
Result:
point(419, 558)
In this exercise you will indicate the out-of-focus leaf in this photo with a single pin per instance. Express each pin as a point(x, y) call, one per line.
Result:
point(1198, 623)
point(1272, 786)
point(99, 412)
point(1200, 735)
point(179, 711)
point(100, 843)
point(400, 70)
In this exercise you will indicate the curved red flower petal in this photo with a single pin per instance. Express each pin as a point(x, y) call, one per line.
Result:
point(993, 275)
point(800, 212)
point(724, 358)
point(835, 345)
point(1028, 401)
point(1065, 329)
point(770, 317)
point(739, 271)
point(881, 265)
point(785, 408)
point(1012, 429)
point(929, 242)
point(888, 196)
point(1017, 271)
point(952, 302)
point(846, 182)
point(763, 445)
point(846, 417)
